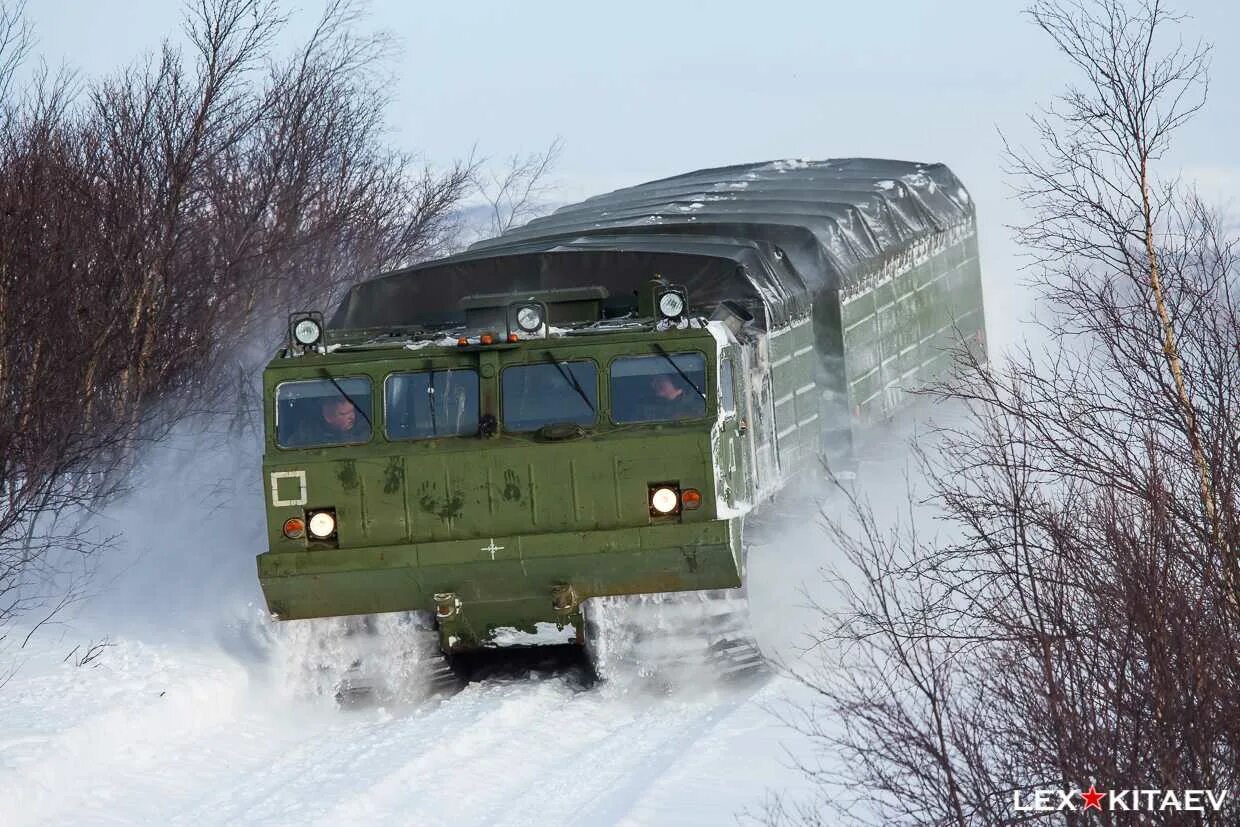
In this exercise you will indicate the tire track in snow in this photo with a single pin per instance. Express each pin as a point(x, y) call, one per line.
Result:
point(559, 755)
point(609, 778)
point(223, 748)
point(340, 758)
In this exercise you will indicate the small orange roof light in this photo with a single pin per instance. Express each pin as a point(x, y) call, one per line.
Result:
point(690, 498)
point(512, 337)
point(486, 339)
point(462, 342)
point(294, 528)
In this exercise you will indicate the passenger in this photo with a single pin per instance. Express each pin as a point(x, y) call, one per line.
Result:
point(672, 401)
point(337, 423)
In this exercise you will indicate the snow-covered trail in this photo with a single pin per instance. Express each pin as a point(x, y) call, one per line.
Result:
point(159, 735)
point(194, 715)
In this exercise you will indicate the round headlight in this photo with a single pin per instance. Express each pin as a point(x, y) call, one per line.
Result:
point(671, 305)
point(307, 332)
point(664, 500)
point(322, 524)
point(529, 318)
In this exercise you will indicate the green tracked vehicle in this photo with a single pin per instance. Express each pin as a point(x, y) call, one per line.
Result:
point(591, 404)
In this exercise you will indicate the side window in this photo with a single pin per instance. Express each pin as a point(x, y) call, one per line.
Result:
point(316, 412)
point(549, 393)
point(662, 388)
point(432, 403)
point(727, 394)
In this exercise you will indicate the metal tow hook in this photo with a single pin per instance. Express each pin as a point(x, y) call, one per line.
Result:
point(564, 599)
point(447, 604)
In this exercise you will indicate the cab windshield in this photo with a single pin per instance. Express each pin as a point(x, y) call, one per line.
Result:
point(549, 393)
point(316, 412)
point(660, 388)
point(431, 403)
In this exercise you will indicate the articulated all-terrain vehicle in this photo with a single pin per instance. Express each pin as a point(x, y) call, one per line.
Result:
point(590, 404)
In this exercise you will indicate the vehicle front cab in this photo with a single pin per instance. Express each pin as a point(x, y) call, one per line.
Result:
point(498, 479)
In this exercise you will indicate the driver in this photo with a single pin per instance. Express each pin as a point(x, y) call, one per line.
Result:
point(670, 400)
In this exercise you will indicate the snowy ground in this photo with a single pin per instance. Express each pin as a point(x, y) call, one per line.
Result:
point(169, 735)
point(197, 713)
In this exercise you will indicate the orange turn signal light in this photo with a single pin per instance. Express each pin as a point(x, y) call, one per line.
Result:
point(486, 339)
point(512, 337)
point(294, 528)
point(462, 342)
point(690, 498)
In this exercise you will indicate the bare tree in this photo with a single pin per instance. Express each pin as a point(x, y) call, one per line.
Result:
point(1080, 626)
point(515, 192)
point(1100, 144)
point(15, 41)
point(156, 224)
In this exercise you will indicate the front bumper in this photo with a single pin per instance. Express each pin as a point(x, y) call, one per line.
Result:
point(502, 581)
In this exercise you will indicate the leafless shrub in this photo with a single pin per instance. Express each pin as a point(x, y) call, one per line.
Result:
point(1080, 627)
point(156, 223)
point(90, 656)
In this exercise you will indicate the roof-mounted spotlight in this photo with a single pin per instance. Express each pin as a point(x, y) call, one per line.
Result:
point(672, 303)
point(305, 330)
point(530, 318)
point(527, 316)
point(662, 300)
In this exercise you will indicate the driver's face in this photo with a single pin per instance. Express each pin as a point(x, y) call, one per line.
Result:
point(339, 414)
point(665, 388)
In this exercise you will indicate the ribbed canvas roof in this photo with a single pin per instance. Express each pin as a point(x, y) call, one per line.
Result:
point(780, 231)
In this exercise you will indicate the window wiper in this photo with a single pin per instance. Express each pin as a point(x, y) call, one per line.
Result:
point(572, 380)
point(340, 390)
point(672, 362)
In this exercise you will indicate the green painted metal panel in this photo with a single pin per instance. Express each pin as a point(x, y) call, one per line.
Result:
point(653, 558)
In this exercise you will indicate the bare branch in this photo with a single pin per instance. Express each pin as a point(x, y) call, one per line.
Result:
point(514, 193)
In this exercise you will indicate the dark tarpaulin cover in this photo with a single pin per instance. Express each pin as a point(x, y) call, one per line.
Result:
point(771, 235)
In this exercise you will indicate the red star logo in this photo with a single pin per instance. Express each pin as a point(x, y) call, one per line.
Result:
point(1093, 798)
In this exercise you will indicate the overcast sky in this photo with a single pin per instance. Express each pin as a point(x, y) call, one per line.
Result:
point(639, 90)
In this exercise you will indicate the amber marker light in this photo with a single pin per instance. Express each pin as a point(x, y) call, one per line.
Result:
point(512, 337)
point(486, 339)
point(462, 342)
point(294, 528)
point(690, 498)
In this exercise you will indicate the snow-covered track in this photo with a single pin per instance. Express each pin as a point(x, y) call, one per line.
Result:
point(224, 745)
